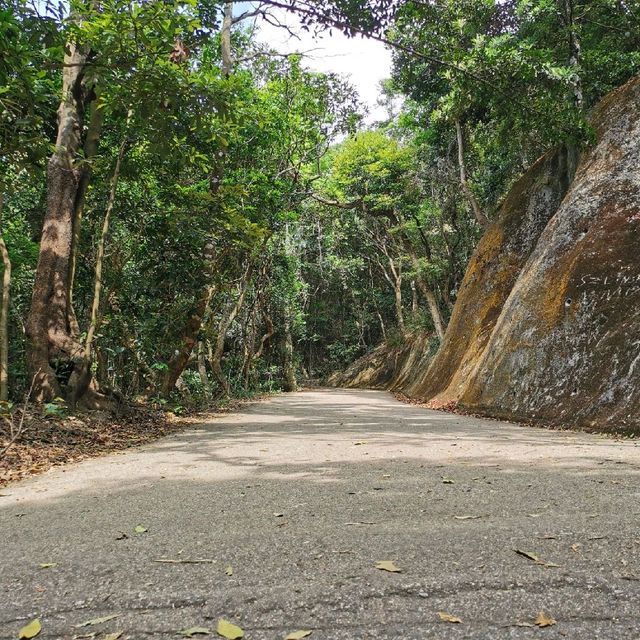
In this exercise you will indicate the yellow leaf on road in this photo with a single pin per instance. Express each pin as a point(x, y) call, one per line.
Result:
point(229, 570)
point(229, 630)
point(388, 565)
point(543, 620)
point(31, 630)
point(447, 617)
point(298, 635)
point(94, 621)
point(195, 631)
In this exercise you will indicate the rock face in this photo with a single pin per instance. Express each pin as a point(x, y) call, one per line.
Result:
point(546, 326)
point(491, 275)
point(566, 347)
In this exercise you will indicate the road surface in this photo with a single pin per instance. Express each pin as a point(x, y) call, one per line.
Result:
point(298, 497)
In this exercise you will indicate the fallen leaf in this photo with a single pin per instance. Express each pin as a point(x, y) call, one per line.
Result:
point(141, 529)
point(278, 515)
point(298, 635)
point(229, 570)
point(447, 617)
point(185, 561)
point(352, 524)
point(467, 517)
point(229, 630)
point(534, 558)
point(388, 565)
point(113, 636)
point(48, 565)
point(122, 536)
point(360, 442)
point(543, 620)
point(31, 630)
point(94, 621)
point(86, 636)
point(195, 631)
point(576, 547)
point(447, 481)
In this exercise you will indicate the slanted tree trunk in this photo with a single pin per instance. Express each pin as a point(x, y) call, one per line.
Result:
point(481, 218)
point(51, 324)
point(425, 289)
point(182, 354)
point(223, 326)
point(4, 314)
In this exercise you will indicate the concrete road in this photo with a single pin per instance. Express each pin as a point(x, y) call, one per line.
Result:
point(301, 495)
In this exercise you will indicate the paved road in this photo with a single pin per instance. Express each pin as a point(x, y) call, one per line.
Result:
point(301, 495)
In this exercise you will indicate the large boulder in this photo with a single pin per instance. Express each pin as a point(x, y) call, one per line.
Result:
point(566, 347)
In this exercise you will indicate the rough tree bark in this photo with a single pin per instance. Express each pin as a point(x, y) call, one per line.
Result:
point(51, 323)
point(481, 218)
point(4, 314)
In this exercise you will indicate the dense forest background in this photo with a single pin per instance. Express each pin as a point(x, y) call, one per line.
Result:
point(188, 214)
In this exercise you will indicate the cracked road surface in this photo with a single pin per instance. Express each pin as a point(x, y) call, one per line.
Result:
point(301, 495)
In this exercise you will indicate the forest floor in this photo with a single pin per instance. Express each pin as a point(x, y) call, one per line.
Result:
point(275, 517)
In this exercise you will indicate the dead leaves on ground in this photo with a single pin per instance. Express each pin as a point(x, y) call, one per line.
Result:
point(299, 635)
point(195, 631)
point(30, 630)
point(543, 620)
point(95, 621)
point(447, 617)
point(388, 565)
point(534, 558)
point(228, 630)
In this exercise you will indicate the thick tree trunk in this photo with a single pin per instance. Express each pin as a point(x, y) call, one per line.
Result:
point(4, 314)
point(51, 331)
point(481, 218)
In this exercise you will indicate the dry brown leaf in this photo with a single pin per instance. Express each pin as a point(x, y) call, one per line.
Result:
point(299, 635)
point(534, 558)
point(447, 617)
point(543, 620)
point(388, 565)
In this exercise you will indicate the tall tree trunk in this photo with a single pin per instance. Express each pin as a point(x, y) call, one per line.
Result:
point(482, 219)
point(225, 39)
point(97, 284)
point(49, 324)
point(575, 52)
point(4, 314)
point(223, 327)
point(289, 382)
point(202, 369)
point(395, 280)
point(425, 289)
